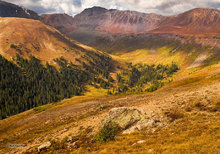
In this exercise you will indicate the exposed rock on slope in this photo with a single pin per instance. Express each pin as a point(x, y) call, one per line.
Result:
point(115, 21)
point(11, 10)
point(123, 117)
point(127, 119)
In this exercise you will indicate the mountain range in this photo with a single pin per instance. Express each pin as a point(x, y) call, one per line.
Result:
point(196, 21)
point(103, 29)
point(99, 27)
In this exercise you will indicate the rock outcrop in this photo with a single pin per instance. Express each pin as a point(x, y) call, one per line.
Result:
point(128, 120)
point(124, 117)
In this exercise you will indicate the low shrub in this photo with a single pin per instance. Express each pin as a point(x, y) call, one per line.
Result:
point(107, 133)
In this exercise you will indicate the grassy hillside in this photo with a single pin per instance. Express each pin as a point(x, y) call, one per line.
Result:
point(189, 107)
point(44, 66)
point(30, 37)
point(185, 55)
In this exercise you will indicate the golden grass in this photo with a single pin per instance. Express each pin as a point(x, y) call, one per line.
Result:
point(157, 56)
point(197, 133)
point(92, 91)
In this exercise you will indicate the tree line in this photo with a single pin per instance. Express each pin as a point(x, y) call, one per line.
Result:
point(140, 78)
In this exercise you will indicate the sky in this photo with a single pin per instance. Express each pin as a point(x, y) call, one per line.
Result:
point(73, 7)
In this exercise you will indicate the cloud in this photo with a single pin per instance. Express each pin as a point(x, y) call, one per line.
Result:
point(72, 7)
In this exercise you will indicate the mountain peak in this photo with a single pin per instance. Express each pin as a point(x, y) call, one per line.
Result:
point(95, 10)
point(195, 21)
point(202, 10)
point(117, 21)
point(12, 10)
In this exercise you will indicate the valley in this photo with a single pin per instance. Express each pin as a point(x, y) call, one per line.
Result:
point(63, 77)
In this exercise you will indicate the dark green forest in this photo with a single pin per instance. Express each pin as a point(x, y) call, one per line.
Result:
point(28, 83)
point(143, 78)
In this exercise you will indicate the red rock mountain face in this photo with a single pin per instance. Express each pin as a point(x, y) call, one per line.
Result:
point(196, 21)
point(115, 21)
point(11, 10)
point(114, 30)
point(63, 22)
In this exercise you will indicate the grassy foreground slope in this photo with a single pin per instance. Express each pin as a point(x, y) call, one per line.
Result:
point(189, 107)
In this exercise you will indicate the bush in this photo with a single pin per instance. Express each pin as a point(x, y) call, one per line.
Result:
point(107, 133)
point(13, 46)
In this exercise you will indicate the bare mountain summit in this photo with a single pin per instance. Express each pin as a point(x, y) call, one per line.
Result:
point(115, 21)
point(11, 10)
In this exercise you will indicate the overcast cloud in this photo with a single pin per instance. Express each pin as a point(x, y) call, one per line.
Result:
point(72, 7)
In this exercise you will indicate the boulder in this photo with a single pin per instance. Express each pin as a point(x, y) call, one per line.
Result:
point(44, 146)
point(124, 117)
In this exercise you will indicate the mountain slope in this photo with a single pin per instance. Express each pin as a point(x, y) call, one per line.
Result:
point(11, 10)
point(44, 66)
point(62, 22)
point(27, 37)
point(31, 37)
point(192, 100)
point(196, 21)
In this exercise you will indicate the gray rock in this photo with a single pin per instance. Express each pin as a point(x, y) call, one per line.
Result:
point(123, 117)
point(44, 146)
point(140, 126)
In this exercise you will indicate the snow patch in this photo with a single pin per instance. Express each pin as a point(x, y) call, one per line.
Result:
point(26, 11)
